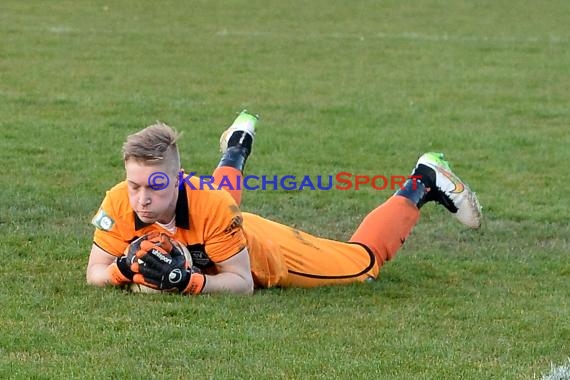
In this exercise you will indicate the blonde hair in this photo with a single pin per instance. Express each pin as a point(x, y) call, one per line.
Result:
point(154, 145)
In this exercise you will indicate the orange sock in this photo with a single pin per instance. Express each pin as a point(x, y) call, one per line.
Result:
point(385, 228)
point(229, 179)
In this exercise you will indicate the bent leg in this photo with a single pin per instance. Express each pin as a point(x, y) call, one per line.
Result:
point(286, 257)
point(236, 144)
point(229, 179)
point(328, 263)
point(385, 229)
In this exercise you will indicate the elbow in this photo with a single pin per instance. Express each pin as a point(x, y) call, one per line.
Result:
point(249, 288)
point(246, 291)
point(92, 278)
point(245, 286)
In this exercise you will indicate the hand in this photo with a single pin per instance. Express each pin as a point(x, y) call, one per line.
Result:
point(121, 271)
point(161, 265)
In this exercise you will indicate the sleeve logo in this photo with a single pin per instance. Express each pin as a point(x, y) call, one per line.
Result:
point(236, 223)
point(103, 221)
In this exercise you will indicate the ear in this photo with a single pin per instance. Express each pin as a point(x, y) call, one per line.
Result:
point(179, 175)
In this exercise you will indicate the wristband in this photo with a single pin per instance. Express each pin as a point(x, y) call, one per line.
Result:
point(117, 278)
point(196, 284)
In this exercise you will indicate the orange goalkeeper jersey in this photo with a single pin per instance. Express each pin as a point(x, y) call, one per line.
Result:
point(208, 222)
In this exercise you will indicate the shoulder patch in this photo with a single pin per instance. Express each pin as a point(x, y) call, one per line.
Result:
point(103, 221)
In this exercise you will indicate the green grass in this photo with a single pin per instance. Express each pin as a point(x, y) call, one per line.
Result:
point(359, 86)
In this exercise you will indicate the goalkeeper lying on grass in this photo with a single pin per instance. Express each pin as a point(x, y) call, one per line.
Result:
point(143, 231)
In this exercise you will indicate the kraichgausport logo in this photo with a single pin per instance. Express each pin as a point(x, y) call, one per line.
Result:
point(338, 181)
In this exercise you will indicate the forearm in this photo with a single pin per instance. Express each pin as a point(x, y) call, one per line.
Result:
point(228, 283)
point(98, 275)
point(97, 272)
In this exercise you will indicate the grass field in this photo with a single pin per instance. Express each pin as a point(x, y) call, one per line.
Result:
point(359, 86)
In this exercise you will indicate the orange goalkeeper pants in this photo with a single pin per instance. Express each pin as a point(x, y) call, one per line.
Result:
point(286, 257)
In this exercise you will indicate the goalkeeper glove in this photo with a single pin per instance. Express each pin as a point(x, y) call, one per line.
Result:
point(163, 266)
point(121, 271)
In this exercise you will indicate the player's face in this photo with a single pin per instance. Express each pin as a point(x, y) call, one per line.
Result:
point(153, 191)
